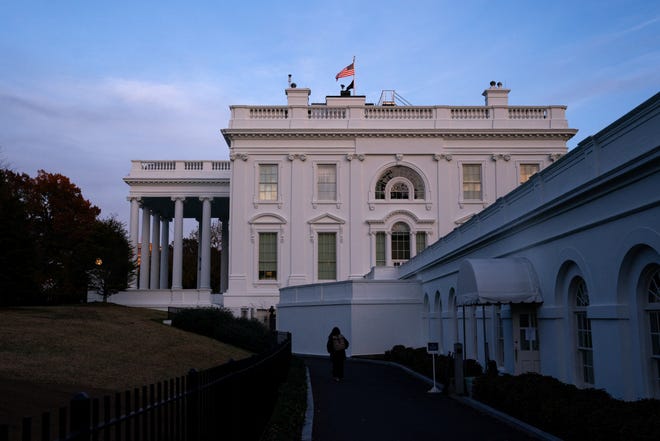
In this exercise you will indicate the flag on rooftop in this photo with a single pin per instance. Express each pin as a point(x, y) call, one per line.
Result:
point(348, 71)
point(351, 86)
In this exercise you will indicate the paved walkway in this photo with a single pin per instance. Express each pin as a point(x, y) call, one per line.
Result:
point(382, 402)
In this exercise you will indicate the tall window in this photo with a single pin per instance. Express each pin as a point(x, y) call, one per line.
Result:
point(268, 182)
point(400, 243)
point(583, 331)
point(472, 182)
point(420, 241)
point(527, 170)
point(326, 182)
point(653, 293)
point(267, 256)
point(381, 260)
point(327, 256)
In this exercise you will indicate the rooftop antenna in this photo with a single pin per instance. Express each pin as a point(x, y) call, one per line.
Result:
point(391, 98)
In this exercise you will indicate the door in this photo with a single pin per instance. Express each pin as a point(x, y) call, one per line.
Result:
point(526, 342)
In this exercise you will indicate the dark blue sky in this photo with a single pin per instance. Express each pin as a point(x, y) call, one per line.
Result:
point(86, 86)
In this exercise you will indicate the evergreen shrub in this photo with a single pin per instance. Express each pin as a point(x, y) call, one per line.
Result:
point(567, 411)
point(220, 324)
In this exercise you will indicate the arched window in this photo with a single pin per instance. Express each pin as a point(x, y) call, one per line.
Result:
point(652, 293)
point(399, 190)
point(404, 183)
point(400, 243)
point(585, 355)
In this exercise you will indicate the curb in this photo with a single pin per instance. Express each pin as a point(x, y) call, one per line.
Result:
point(309, 413)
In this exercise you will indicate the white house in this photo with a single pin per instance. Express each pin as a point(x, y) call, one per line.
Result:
point(325, 192)
point(317, 193)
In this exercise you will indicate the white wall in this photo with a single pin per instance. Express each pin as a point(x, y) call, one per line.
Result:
point(373, 315)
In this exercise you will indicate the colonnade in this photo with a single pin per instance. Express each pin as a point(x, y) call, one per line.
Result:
point(154, 246)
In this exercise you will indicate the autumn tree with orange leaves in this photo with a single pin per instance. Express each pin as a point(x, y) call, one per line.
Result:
point(48, 238)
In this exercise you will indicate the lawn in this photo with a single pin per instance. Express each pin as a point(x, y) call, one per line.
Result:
point(49, 353)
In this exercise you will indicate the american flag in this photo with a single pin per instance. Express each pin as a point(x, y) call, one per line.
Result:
point(348, 71)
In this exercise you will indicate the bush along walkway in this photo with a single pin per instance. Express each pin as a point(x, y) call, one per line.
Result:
point(542, 405)
point(380, 401)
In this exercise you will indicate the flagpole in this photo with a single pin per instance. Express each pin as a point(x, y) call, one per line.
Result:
point(354, 89)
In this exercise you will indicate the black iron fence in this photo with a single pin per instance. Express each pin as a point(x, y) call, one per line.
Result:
point(232, 401)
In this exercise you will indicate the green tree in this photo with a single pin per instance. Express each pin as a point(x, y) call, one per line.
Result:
point(17, 241)
point(113, 262)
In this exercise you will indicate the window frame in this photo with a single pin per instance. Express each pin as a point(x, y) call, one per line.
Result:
point(318, 255)
point(417, 194)
point(275, 235)
point(316, 199)
point(462, 165)
point(582, 333)
point(519, 167)
point(257, 184)
point(652, 314)
point(399, 261)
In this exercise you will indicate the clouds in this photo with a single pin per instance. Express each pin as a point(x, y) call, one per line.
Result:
point(85, 89)
point(91, 130)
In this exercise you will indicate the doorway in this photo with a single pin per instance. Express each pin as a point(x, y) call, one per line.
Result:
point(526, 342)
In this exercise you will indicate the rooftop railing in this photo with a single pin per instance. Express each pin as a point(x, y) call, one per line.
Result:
point(205, 168)
point(541, 117)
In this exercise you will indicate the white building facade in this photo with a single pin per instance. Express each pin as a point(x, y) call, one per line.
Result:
point(324, 192)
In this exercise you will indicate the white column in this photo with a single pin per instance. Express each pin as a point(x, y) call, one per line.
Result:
point(154, 282)
point(198, 279)
point(165, 253)
point(388, 248)
point(177, 253)
point(205, 243)
point(224, 257)
point(134, 231)
point(144, 249)
point(413, 244)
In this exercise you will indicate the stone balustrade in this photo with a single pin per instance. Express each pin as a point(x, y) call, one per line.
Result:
point(423, 117)
point(180, 168)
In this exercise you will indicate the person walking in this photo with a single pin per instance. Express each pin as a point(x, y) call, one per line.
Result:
point(336, 346)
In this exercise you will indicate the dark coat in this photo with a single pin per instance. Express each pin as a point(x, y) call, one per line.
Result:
point(331, 350)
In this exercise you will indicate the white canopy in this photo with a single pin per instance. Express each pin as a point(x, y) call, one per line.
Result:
point(497, 281)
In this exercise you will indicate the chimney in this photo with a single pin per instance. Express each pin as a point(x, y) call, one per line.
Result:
point(297, 97)
point(496, 95)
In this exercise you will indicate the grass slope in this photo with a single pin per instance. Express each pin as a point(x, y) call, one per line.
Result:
point(49, 353)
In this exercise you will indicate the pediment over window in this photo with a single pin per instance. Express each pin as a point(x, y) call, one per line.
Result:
point(401, 213)
point(326, 219)
point(267, 218)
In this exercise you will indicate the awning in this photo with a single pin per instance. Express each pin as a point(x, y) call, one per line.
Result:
point(497, 281)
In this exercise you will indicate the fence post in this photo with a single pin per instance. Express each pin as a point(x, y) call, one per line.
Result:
point(192, 405)
point(80, 417)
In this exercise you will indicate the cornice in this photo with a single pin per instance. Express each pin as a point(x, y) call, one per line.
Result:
point(563, 134)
